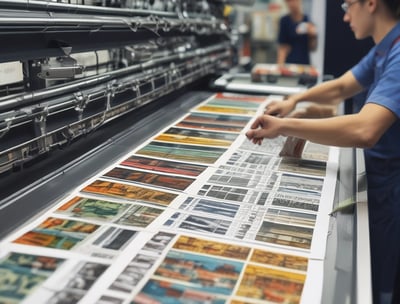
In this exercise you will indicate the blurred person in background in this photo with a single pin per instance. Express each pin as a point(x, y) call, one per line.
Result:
point(297, 36)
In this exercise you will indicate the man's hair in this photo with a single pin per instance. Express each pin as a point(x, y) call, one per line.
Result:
point(393, 6)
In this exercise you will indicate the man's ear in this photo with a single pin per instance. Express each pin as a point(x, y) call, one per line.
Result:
point(372, 5)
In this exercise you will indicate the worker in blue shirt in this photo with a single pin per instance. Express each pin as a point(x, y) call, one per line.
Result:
point(376, 128)
point(297, 36)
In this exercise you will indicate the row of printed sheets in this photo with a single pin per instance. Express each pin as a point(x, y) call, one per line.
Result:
point(195, 214)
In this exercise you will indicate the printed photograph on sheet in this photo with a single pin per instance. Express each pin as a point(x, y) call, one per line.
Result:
point(240, 179)
point(165, 166)
point(139, 216)
point(217, 119)
point(240, 302)
point(165, 291)
point(57, 233)
point(275, 286)
point(195, 223)
point(243, 215)
point(140, 266)
point(252, 162)
point(230, 103)
point(106, 211)
point(210, 274)
point(66, 234)
point(158, 242)
point(291, 201)
point(234, 194)
point(130, 192)
point(208, 126)
point(315, 151)
point(67, 297)
point(286, 235)
point(70, 284)
point(270, 146)
point(240, 97)
point(290, 217)
point(303, 166)
point(209, 247)
point(198, 137)
point(89, 208)
point(21, 274)
point(182, 152)
point(235, 102)
point(109, 243)
point(279, 259)
point(214, 108)
point(212, 207)
point(152, 179)
point(76, 283)
point(310, 194)
point(136, 270)
point(298, 182)
point(214, 122)
point(109, 300)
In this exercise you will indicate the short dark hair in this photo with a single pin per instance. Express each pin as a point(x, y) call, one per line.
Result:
point(393, 6)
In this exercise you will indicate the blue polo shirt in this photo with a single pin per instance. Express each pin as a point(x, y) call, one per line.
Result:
point(379, 73)
point(299, 43)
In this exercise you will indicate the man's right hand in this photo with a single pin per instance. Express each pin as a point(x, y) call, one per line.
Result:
point(280, 108)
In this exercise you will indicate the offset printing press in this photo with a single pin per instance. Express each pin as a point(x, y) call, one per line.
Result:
point(124, 177)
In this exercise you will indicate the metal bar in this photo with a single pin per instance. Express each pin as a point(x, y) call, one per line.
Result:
point(49, 6)
point(76, 8)
point(25, 99)
point(241, 2)
point(108, 21)
point(364, 280)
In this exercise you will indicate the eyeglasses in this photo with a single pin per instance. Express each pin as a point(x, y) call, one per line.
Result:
point(346, 5)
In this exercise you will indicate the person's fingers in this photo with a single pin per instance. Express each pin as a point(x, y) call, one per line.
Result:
point(271, 110)
point(249, 134)
point(258, 123)
point(255, 124)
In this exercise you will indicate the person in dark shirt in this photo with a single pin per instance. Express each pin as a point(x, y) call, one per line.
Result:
point(297, 36)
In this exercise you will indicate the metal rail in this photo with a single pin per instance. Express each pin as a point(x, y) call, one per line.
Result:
point(7, 103)
point(116, 95)
point(363, 275)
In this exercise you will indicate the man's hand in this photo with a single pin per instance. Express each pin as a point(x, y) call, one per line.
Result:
point(265, 126)
point(280, 108)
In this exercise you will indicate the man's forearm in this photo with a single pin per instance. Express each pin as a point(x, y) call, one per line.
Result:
point(330, 92)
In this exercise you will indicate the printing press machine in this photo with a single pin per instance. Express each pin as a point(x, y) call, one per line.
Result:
point(84, 81)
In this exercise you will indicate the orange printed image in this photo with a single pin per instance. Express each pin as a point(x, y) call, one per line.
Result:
point(159, 165)
point(240, 97)
point(130, 192)
point(120, 213)
point(154, 179)
point(233, 103)
point(185, 152)
point(208, 126)
point(213, 248)
point(193, 140)
point(217, 109)
point(271, 285)
point(204, 120)
point(57, 233)
point(279, 259)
